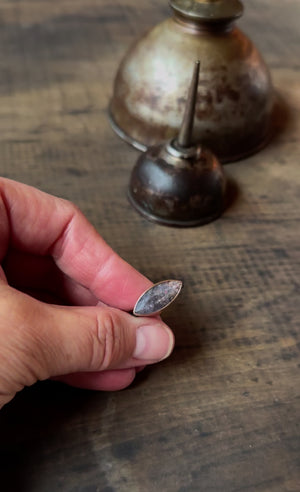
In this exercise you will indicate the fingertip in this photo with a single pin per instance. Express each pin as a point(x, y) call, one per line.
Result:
point(154, 342)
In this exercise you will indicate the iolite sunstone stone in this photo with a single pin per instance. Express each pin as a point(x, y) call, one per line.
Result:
point(157, 298)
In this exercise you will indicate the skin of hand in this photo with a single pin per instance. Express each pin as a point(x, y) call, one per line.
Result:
point(64, 297)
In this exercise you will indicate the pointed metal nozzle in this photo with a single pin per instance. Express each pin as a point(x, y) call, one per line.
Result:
point(184, 138)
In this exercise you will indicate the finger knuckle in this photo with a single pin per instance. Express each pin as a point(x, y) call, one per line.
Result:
point(72, 208)
point(108, 340)
point(21, 353)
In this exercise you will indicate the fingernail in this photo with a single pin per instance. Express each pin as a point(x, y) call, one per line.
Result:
point(153, 342)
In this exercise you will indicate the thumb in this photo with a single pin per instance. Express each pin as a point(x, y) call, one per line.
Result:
point(38, 340)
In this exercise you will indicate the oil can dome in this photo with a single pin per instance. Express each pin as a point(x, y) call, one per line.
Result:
point(235, 92)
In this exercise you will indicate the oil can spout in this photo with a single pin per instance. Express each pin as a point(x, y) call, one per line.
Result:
point(185, 136)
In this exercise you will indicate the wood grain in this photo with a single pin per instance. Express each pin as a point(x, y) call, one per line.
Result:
point(222, 414)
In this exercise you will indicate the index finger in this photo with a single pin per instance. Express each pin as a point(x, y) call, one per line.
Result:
point(35, 222)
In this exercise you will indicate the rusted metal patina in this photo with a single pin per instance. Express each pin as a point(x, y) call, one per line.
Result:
point(157, 298)
point(235, 95)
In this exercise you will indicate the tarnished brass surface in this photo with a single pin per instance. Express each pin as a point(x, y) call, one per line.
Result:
point(235, 92)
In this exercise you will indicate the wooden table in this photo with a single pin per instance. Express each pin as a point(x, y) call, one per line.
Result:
point(222, 414)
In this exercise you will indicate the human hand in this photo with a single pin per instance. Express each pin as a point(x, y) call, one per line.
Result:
point(64, 294)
